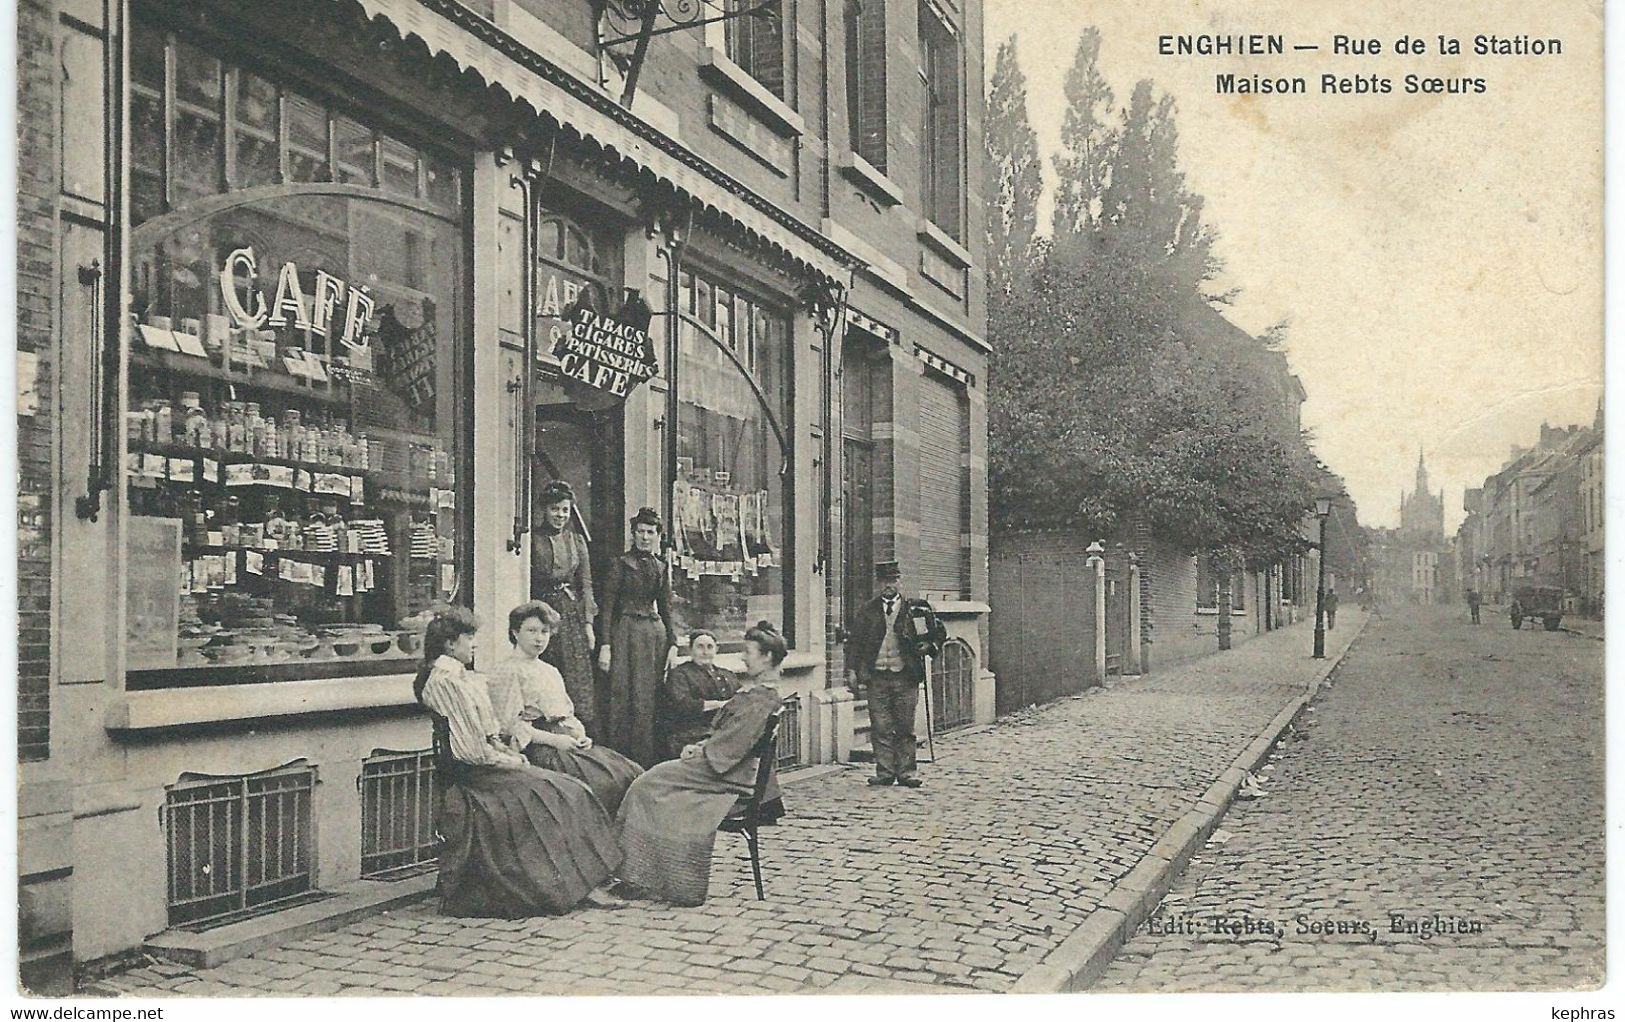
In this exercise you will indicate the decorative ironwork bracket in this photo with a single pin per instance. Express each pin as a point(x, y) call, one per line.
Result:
point(635, 22)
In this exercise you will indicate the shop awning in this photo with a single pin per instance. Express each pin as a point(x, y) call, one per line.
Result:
point(482, 49)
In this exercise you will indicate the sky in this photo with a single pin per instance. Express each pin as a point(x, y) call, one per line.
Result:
point(1439, 257)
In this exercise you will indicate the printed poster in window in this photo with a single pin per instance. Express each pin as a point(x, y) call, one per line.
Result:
point(152, 592)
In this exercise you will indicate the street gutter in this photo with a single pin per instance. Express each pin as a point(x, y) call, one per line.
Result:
point(1080, 959)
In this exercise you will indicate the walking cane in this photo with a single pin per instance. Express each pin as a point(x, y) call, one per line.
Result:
point(930, 732)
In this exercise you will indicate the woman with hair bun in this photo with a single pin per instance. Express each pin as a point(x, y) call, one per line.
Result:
point(669, 818)
point(535, 711)
point(518, 841)
point(640, 643)
point(561, 574)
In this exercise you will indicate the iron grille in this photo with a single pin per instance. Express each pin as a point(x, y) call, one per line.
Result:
point(788, 737)
point(238, 843)
point(953, 681)
point(397, 812)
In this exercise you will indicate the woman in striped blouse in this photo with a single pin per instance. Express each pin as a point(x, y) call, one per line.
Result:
point(519, 841)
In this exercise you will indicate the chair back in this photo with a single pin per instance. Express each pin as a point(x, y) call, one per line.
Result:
point(766, 752)
point(446, 766)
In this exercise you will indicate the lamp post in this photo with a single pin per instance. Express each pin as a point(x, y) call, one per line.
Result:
point(1323, 507)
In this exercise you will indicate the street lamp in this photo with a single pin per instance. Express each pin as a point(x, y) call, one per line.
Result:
point(1323, 508)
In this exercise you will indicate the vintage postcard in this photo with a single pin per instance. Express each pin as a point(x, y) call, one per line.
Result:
point(654, 497)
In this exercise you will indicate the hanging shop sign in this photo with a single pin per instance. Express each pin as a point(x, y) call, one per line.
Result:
point(610, 353)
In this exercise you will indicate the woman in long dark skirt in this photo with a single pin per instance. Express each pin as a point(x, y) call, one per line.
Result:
point(669, 818)
point(636, 619)
point(518, 841)
point(561, 574)
point(534, 710)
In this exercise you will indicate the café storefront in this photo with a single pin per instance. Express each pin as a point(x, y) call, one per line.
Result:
point(343, 336)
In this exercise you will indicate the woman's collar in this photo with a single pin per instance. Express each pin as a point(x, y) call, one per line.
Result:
point(450, 663)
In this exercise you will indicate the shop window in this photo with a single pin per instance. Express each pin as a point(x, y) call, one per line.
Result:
point(397, 814)
point(291, 446)
point(294, 479)
point(865, 22)
point(944, 120)
point(755, 42)
point(239, 845)
point(230, 128)
point(731, 502)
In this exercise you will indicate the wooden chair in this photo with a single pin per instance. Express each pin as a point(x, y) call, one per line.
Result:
point(749, 819)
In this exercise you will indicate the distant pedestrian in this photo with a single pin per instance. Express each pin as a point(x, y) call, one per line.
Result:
point(1472, 603)
point(1331, 609)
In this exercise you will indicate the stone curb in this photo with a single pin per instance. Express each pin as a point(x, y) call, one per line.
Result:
point(1080, 959)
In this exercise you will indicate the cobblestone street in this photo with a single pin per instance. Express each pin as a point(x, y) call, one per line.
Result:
point(1450, 771)
point(967, 883)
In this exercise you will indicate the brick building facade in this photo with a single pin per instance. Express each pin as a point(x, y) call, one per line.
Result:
point(341, 247)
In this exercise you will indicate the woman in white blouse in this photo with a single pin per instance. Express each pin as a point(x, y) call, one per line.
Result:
point(518, 841)
point(534, 709)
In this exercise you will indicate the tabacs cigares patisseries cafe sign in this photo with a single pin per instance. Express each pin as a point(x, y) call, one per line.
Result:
point(610, 353)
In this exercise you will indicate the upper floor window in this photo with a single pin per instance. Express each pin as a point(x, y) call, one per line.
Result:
point(756, 42)
point(942, 178)
point(200, 126)
point(866, 79)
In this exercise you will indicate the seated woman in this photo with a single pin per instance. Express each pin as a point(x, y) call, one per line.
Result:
point(518, 841)
point(682, 716)
point(534, 710)
point(668, 821)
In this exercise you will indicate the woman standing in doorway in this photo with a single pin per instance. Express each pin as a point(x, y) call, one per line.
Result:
point(642, 645)
point(561, 574)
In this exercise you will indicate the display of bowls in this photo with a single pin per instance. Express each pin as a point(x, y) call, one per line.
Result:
point(410, 642)
point(347, 647)
point(381, 646)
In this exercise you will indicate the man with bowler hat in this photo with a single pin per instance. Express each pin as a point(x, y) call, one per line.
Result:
point(882, 653)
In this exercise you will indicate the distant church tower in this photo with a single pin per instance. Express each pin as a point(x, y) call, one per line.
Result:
point(1421, 513)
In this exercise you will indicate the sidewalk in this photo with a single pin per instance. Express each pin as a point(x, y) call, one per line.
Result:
point(1020, 832)
point(1583, 626)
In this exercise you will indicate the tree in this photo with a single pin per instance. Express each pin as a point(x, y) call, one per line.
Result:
point(1117, 393)
point(1013, 168)
point(1088, 145)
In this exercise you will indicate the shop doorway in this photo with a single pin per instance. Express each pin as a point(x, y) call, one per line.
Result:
point(583, 447)
point(577, 432)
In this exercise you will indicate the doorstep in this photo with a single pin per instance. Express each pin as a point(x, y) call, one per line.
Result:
point(344, 905)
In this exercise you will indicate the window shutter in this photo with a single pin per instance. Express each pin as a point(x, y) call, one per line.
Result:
point(942, 489)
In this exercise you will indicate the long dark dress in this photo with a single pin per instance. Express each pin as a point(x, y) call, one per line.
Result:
point(561, 574)
point(636, 616)
point(668, 821)
point(519, 841)
point(682, 719)
point(530, 701)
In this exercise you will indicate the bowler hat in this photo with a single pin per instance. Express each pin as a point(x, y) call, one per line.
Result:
point(887, 571)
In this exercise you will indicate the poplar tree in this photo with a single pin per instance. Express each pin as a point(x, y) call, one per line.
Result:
point(1013, 175)
point(1088, 146)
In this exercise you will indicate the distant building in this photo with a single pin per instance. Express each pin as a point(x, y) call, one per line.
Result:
point(1408, 558)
